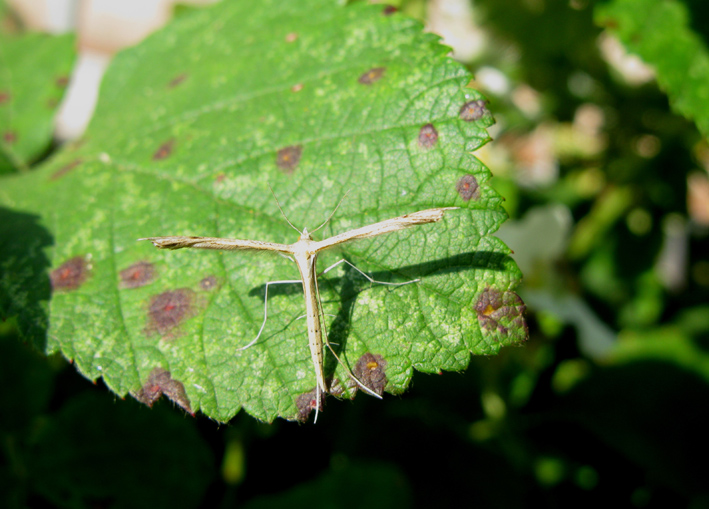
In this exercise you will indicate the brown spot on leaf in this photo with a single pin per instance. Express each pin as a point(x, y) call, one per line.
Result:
point(5, 97)
point(297, 87)
point(160, 382)
point(164, 151)
point(468, 188)
point(169, 309)
point(307, 402)
point(61, 81)
point(428, 136)
point(177, 80)
point(370, 371)
point(65, 169)
point(389, 10)
point(137, 275)
point(70, 275)
point(209, 283)
point(372, 76)
point(474, 110)
point(335, 387)
point(289, 157)
point(502, 312)
point(9, 136)
point(291, 37)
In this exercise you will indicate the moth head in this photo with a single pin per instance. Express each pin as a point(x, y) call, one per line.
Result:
point(305, 235)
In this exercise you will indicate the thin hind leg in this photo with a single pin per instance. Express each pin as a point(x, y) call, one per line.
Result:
point(327, 342)
point(265, 309)
point(367, 276)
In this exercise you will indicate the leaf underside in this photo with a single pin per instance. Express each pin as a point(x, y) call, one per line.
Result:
point(316, 100)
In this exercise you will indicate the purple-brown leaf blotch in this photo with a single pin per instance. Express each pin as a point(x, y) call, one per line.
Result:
point(372, 76)
point(209, 283)
point(370, 371)
point(177, 80)
point(474, 110)
point(137, 275)
point(468, 188)
point(70, 275)
point(169, 309)
point(289, 157)
point(9, 137)
point(502, 313)
point(164, 151)
point(428, 137)
point(307, 402)
point(160, 382)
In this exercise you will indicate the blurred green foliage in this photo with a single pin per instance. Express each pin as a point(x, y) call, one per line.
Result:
point(606, 403)
point(34, 73)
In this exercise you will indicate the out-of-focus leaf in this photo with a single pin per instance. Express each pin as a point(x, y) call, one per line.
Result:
point(659, 31)
point(346, 486)
point(316, 100)
point(679, 343)
point(34, 72)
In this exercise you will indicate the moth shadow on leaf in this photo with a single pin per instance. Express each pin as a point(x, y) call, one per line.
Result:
point(347, 288)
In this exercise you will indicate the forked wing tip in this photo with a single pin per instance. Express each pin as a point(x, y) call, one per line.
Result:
point(154, 240)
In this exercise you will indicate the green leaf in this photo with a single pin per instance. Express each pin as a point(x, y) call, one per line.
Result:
point(34, 72)
point(315, 100)
point(659, 32)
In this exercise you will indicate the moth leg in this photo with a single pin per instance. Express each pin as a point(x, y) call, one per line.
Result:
point(367, 276)
point(265, 310)
point(327, 342)
point(349, 371)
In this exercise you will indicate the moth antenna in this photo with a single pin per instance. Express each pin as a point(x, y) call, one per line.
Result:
point(333, 212)
point(283, 213)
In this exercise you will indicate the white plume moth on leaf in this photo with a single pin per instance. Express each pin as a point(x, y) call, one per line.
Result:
point(304, 253)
